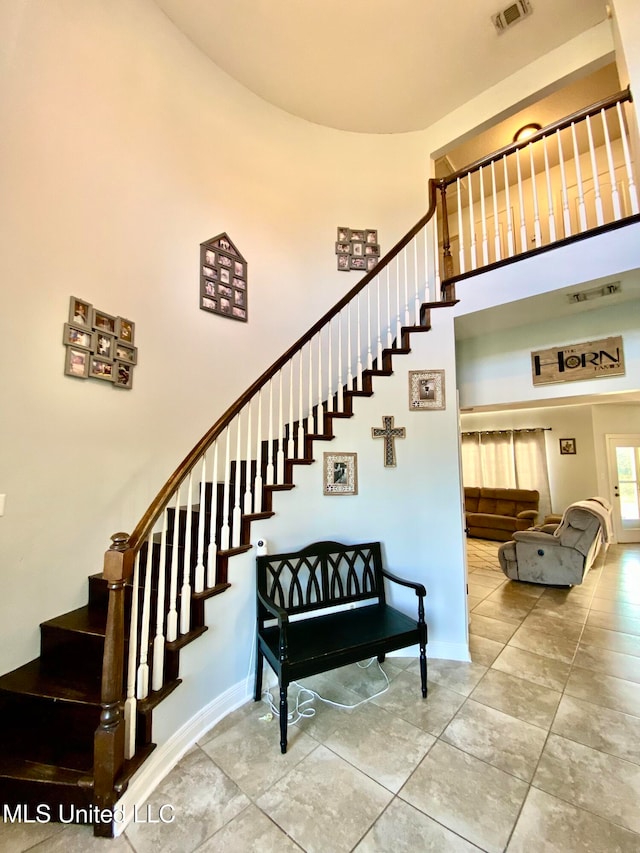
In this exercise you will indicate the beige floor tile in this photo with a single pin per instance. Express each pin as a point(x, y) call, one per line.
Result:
point(615, 641)
point(478, 591)
point(611, 663)
point(574, 611)
point(601, 728)
point(614, 622)
point(544, 643)
point(506, 612)
point(403, 829)
point(486, 580)
point(541, 670)
point(491, 629)
point(602, 784)
point(497, 738)
point(605, 690)
point(519, 698)
point(250, 832)
point(432, 714)
point(358, 741)
point(458, 676)
point(324, 803)
point(548, 824)
point(249, 753)
point(466, 795)
point(609, 605)
point(554, 624)
point(484, 651)
point(203, 799)
point(472, 600)
point(18, 837)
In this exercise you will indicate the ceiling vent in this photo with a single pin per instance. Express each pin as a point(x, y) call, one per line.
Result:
point(511, 15)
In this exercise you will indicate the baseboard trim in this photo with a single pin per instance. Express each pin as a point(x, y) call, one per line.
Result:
point(165, 757)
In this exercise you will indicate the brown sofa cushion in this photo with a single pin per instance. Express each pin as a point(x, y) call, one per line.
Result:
point(496, 513)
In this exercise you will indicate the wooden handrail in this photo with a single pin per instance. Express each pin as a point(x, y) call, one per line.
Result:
point(145, 525)
point(567, 121)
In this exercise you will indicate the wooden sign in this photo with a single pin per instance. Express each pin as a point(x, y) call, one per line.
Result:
point(590, 360)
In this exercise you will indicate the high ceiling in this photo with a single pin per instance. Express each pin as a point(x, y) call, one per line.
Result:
point(374, 66)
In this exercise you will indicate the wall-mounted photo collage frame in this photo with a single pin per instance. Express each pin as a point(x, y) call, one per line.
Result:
point(99, 345)
point(223, 279)
point(357, 249)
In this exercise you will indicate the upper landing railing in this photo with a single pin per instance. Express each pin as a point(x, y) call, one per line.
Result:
point(566, 180)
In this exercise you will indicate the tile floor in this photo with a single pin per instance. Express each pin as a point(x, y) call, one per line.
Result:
point(533, 746)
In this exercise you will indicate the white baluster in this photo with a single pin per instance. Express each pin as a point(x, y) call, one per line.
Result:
point(310, 422)
point(202, 509)
point(157, 667)
point(225, 531)
point(389, 332)
point(547, 172)
point(582, 210)
point(461, 247)
point(330, 371)
point(320, 406)
point(497, 252)
point(359, 345)
point(437, 284)
point(594, 172)
point(566, 213)
point(257, 484)
point(172, 615)
point(280, 438)
point(349, 350)
point(270, 469)
point(369, 342)
point(185, 591)
point(523, 227)
point(427, 295)
point(291, 445)
point(130, 702)
point(236, 518)
point(142, 681)
point(507, 197)
point(633, 195)
point(340, 380)
point(398, 320)
point(416, 301)
point(472, 226)
point(483, 220)
point(537, 235)
point(405, 260)
point(247, 505)
point(212, 550)
point(379, 326)
point(301, 448)
point(615, 195)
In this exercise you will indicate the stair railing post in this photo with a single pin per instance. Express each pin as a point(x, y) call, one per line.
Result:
point(447, 260)
point(109, 742)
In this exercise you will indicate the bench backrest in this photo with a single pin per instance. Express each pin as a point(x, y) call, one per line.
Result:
point(321, 575)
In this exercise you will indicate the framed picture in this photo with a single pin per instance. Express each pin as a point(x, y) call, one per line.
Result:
point(105, 344)
point(77, 336)
point(343, 248)
point(371, 236)
point(80, 312)
point(426, 390)
point(340, 473)
point(343, 262)
point(101, 368)
point(209, 304)
point(126, 353)
point(372, 261)
point(103, 321)
point(357, 263)
point(344, 235)
point(122, 375)
point(357, 249)
point(76, 363)
point(568, 446)
point(125, 330)
point(371, 249)
point(357, 236)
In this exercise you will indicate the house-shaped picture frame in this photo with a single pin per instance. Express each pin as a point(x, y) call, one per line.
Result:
point(223, 278)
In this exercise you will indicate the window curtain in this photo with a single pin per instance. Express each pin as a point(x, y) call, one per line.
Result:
point(507, 459)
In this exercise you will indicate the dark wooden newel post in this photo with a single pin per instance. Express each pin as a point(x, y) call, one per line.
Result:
point(109, 738)
point(448, 290)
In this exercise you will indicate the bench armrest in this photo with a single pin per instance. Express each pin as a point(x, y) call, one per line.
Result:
point(281, 615)
point(419, 588)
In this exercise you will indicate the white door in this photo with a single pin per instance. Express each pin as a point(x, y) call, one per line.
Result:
point(624, 479)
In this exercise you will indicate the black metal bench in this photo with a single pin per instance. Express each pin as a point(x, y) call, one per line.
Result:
point(321, 576)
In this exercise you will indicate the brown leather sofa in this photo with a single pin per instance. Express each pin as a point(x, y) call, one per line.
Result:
point(498, 513)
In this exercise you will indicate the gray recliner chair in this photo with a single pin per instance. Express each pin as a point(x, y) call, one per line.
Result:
point(559, 555)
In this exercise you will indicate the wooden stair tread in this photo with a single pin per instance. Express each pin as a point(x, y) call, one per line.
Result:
point(34, 771)
point(30, 680)
point(85, 620)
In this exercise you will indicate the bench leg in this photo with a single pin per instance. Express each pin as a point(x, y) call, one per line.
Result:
point(381, 658)
point(257, 694)
point(423, 669)
point(284, 713)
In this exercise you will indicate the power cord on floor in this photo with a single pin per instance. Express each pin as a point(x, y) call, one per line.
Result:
point(301, 711)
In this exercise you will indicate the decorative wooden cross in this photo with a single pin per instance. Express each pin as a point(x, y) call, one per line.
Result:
point(389, 433)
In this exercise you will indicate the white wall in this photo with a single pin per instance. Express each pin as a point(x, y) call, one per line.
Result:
point(123, 148)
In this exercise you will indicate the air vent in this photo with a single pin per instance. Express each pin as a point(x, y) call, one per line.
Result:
point(511, 15)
